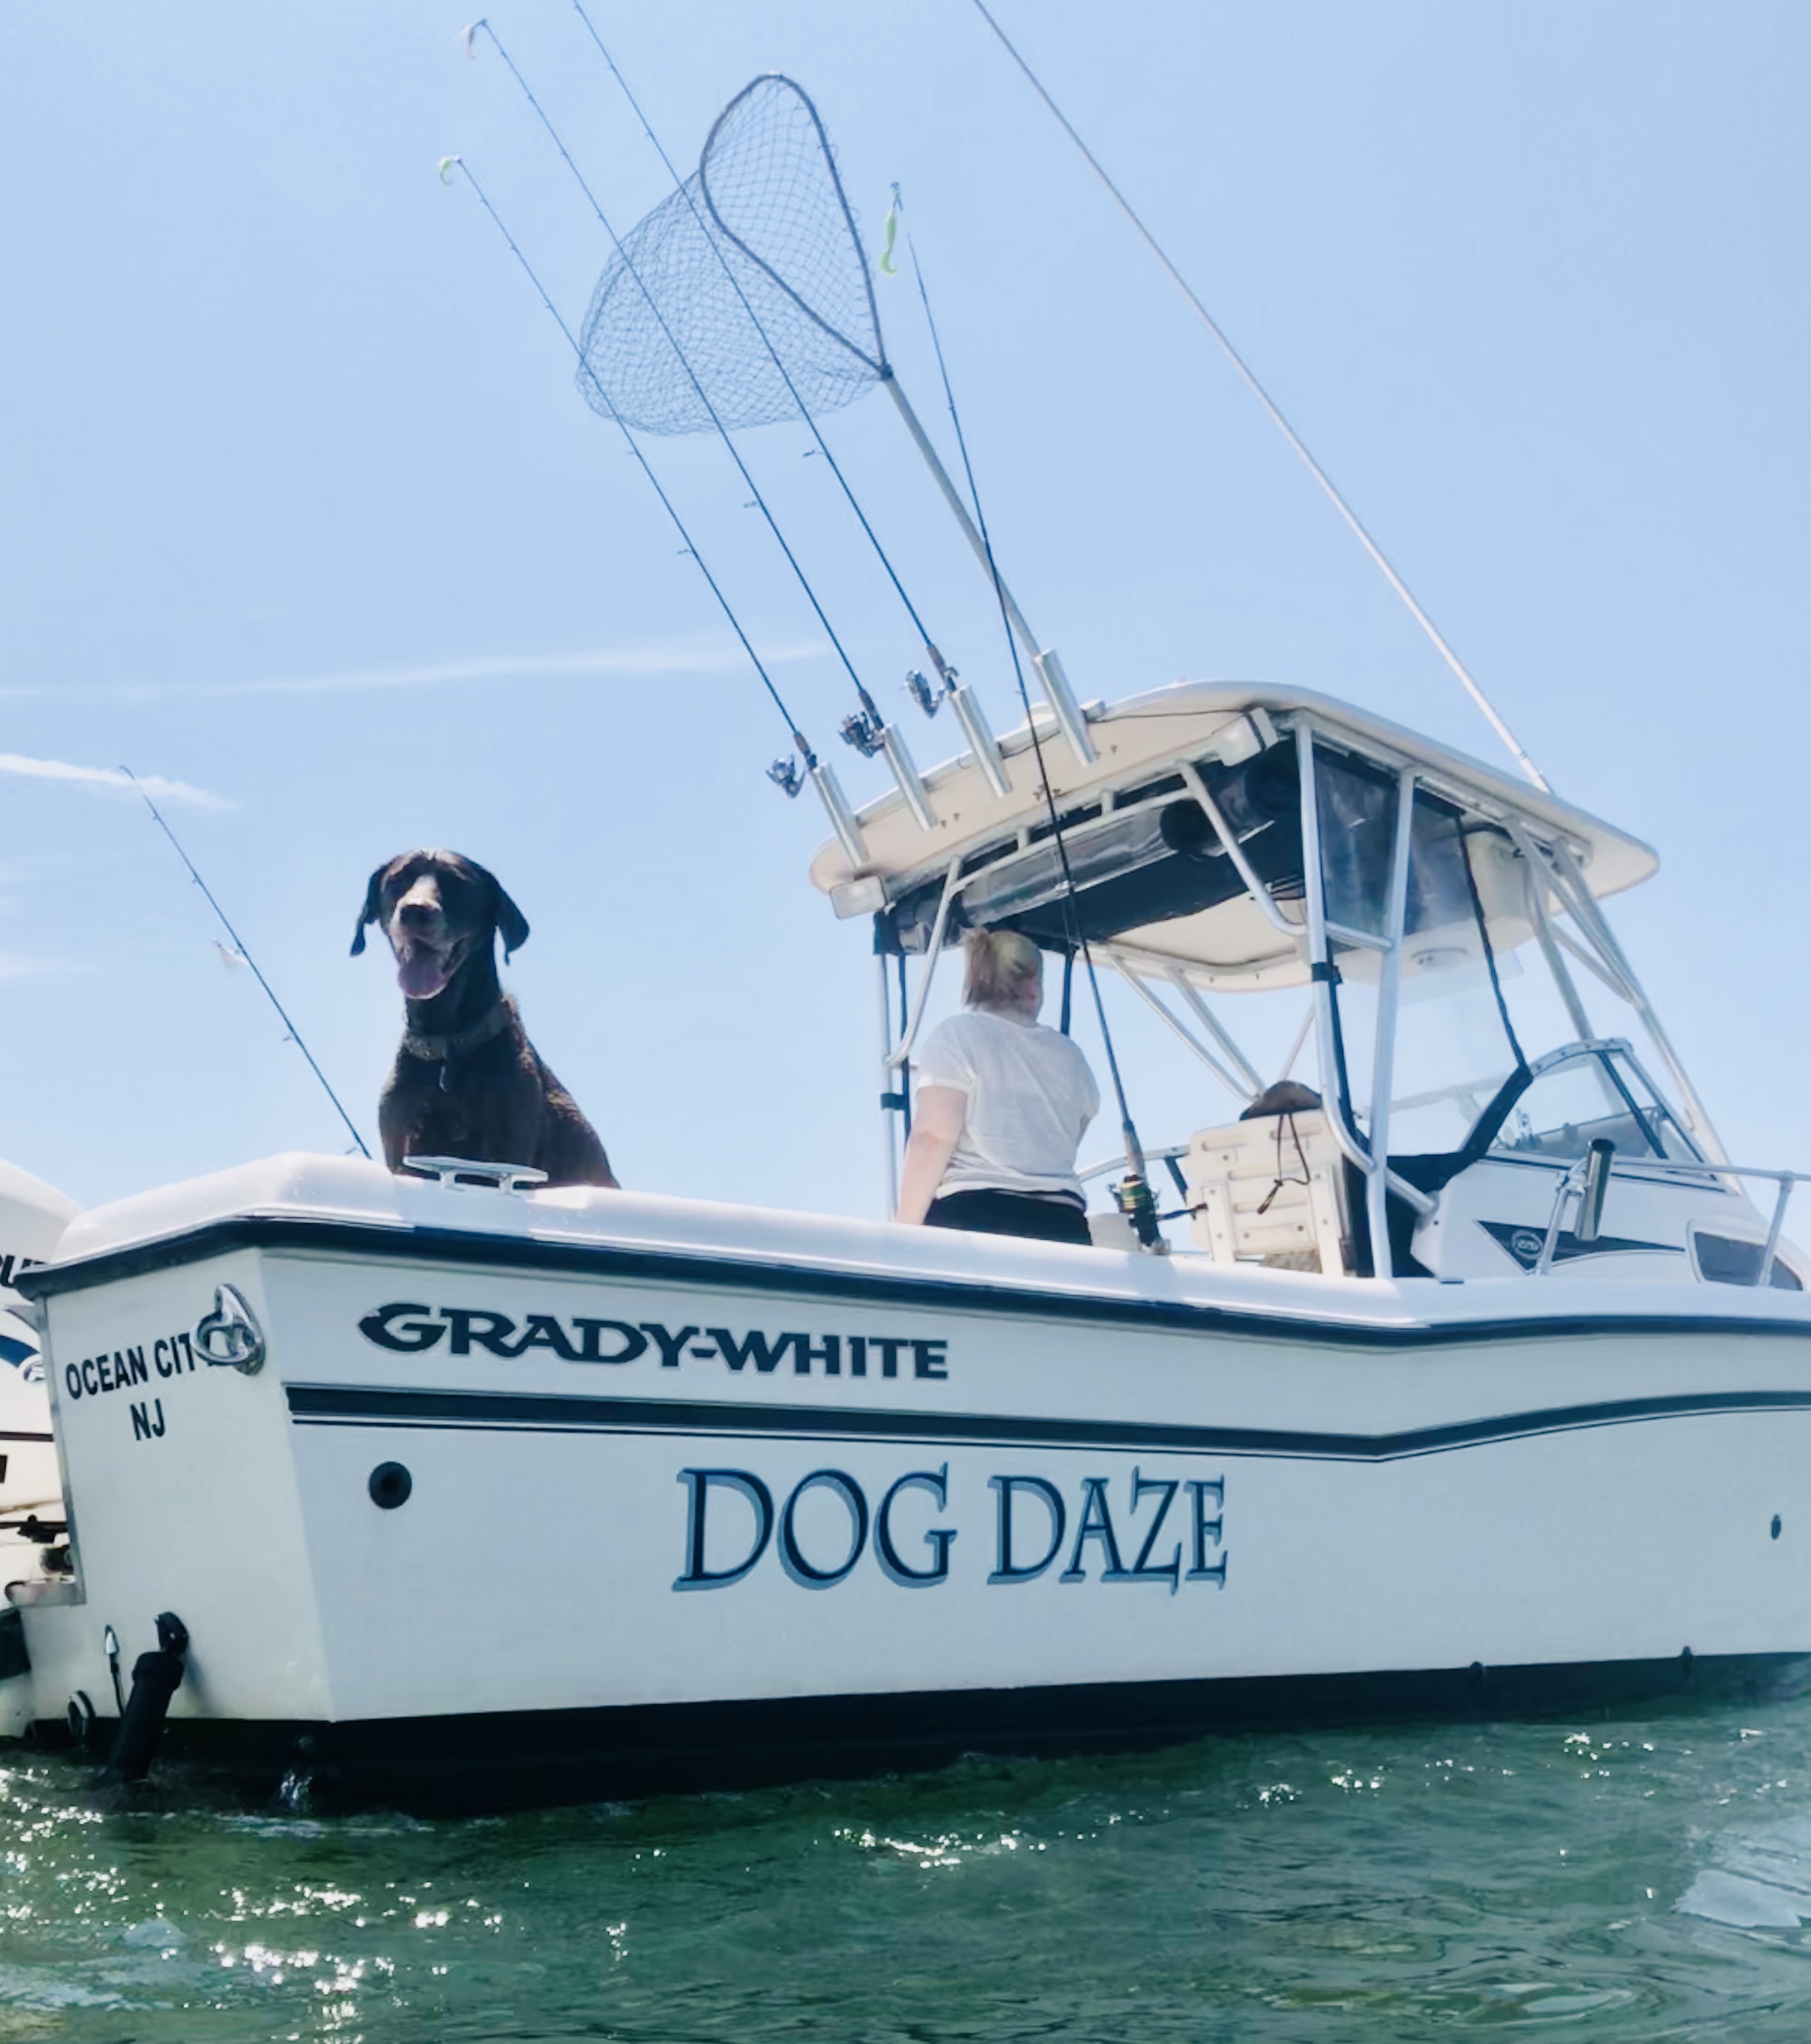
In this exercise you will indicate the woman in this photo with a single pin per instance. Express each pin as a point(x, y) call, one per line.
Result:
point(1002, 1104)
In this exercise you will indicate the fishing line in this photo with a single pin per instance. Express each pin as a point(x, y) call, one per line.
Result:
point(799, 738)
point(1138, 1205)
point(944, 672)
point(240, 947)
point(1378, 557)
point(742, 467)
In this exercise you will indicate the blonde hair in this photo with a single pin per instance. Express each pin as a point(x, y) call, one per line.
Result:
point(1001, 966)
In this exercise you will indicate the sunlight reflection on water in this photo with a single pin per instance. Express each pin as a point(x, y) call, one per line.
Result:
point(1633, 1880)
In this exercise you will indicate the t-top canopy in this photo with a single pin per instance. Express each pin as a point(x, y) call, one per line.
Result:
point(1194, 802)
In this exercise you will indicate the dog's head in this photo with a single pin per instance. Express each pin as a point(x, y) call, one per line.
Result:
point(438, 910)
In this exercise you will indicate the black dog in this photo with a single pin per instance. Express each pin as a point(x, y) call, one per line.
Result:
point(466, 1081)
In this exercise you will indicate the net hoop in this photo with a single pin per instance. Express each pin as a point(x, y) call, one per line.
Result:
point(881, 369)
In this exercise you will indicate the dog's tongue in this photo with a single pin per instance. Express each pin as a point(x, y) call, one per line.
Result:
point(421, 973)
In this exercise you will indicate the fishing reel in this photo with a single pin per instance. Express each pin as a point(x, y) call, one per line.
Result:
point(931, 695)
point(787, 776)
point(862, 728)
point(1132, 1195)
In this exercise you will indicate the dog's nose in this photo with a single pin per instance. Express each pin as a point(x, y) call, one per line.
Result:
point(415, 911)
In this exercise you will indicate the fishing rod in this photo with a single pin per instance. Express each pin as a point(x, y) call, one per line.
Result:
point(769, 160)
point(1248, 376)
point(243, 951)
point(945, 673)
point(736, 167)
point(869, 732)
point(784, 772)
point(1133, 1194)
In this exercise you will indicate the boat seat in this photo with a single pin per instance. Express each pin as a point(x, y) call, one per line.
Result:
point(1271, 1189)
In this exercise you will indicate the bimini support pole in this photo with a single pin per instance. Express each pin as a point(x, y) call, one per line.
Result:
point(1537, 879)
point(1321, 973)
point(1130, 974)
point(1575, 892)
point(1063, 705)
point(1383, 1059)
point(908, 1035)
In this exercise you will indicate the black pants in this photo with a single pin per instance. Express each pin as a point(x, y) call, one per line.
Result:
point(1010, 1213)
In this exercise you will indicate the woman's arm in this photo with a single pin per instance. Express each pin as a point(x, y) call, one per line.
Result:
point(936, 1129)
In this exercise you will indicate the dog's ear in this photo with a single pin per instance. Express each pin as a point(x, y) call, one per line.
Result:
point(373, 908)
point(512, 924)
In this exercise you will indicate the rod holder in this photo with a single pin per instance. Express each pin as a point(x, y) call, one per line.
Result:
point(1067, 711)
point(905, 773)
point(1600, 1159)
point(964, 702)
point(842, 818)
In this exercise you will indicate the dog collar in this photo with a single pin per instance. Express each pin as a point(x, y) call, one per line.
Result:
point(442, 1050)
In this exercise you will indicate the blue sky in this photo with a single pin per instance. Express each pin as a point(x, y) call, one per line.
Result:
point(301, 510)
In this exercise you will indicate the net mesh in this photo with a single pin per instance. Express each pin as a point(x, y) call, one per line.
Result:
point(757, 256)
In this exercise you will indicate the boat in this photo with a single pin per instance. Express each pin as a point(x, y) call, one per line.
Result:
point(492, 1490)
point(1473, 1377)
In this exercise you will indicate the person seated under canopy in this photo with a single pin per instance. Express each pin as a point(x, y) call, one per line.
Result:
point(1002, 1105)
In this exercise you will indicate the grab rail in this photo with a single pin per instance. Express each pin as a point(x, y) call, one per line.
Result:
point(1117, 1162)
point(1572, 1187)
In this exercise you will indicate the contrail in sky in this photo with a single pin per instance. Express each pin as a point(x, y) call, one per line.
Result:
point(628, 660)
point(17, 964)
point(108, 777)
point(615, 660)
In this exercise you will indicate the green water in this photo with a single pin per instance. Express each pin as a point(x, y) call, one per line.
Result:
point(1627, 1880)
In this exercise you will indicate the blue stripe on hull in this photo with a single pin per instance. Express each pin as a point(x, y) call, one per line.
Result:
point(351, 1405)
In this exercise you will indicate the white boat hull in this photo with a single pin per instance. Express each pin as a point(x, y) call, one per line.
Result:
point(981, 1490)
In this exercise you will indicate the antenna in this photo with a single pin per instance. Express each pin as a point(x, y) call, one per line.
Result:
point(1250, 378)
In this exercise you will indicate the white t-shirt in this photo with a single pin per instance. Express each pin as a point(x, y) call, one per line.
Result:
point(1030, 1096)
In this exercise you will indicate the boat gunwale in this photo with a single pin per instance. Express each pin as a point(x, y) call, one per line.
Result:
point(292, 1233)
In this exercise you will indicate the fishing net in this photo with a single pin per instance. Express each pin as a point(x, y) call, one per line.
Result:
point(754, 263)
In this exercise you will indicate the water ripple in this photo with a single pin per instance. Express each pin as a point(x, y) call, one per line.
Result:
point(1625, 1880)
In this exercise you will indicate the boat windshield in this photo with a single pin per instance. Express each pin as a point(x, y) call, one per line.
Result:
point(1584, 1093)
